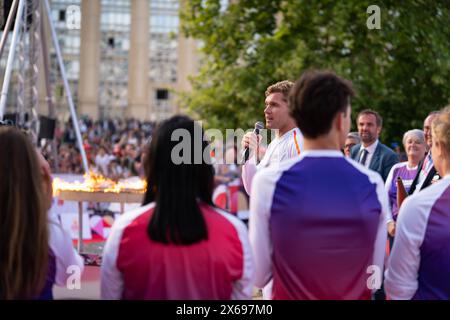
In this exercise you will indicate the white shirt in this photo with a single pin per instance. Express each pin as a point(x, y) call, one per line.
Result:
point(102, 162)
point(371, 150)
point(413, 226)
point(426, 167)
point(67, 258)
point(287, 146)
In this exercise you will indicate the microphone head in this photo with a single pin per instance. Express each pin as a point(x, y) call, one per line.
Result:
point(259, 125)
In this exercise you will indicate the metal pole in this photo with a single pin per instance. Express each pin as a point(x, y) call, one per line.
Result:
point(34, 52)
point(66, 87)
point(48, 91)
point(48, 97)
point(10, 61)
point(8, 26)
point(80, 227)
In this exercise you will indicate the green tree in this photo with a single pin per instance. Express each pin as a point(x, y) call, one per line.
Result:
point(401, 70)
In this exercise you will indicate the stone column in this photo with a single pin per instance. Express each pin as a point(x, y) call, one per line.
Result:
point(138, 62)
point(188, 58)
point(187, 65)
point(88, 86)
point(42, 91)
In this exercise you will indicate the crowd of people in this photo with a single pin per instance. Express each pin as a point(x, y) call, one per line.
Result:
point(114, 148)
point(323, 205)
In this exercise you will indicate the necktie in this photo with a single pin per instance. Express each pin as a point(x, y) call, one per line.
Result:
point(363, 158)
point(427, 164)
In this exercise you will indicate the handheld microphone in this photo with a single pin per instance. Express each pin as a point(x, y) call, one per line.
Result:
point(246, 153)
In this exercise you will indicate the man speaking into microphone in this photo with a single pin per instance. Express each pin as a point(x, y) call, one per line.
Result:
point(288, 141)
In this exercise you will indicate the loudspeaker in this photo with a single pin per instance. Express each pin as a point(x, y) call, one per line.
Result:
point(11, 117)
point(46, 127)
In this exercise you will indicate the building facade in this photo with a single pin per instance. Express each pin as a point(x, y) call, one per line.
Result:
point(123, 58)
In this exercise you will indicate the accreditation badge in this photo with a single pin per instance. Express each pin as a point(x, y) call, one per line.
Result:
point(435, 178)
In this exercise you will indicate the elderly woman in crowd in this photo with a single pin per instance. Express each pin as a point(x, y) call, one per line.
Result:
point(415, 147)
point(351, 140)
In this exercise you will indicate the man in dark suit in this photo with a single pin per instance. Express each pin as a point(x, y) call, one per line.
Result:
point(371, 153)
point(426, 173)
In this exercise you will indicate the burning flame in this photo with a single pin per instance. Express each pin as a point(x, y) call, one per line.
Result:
point(94, 182)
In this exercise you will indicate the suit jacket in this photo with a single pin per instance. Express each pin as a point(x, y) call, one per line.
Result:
point(426, 182)
point(382, 160)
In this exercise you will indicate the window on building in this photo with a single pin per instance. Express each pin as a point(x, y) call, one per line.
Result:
point(162, 94)
point(62, 15)
point(111, 42)
point(115, 24)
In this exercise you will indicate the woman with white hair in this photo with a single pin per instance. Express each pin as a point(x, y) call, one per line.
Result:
point(420, 260)
point(415, 147)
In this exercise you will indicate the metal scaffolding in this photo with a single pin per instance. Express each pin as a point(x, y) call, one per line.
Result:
point(28, 39)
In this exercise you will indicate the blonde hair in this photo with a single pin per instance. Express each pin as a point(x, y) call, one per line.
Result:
point(283, 87)
point(441, 129)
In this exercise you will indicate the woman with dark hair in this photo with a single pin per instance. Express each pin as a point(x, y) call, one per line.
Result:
point(177, 245)
point(24, 245)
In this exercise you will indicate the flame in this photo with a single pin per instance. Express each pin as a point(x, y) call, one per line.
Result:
point(94, 182)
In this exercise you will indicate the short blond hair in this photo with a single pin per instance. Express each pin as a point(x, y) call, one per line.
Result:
point(283, 87)
point(441, 129)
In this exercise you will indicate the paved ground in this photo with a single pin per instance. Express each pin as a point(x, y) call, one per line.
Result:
point(90, 287)
point(90, 280)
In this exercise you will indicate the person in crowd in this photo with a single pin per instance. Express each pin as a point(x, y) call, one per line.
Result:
point(64, 159)
point(115, 170)
point(420, 259)
point(89, 149)
point(225, 164)
point(415, 146)
point(102, 160)
point(63, 258)
point(371, 153)
point(177, 245)
point(352, 140)
point(402, 157)
point(69, 134)
point(129, 159)
point(139, 164)
point(318, 222)
point(427, 173)
point(288, 142)
point(24, 248)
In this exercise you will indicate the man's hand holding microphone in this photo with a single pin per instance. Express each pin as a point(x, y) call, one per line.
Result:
point(251, 141)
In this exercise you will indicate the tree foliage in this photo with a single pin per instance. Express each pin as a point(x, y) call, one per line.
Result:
point(401, 70)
